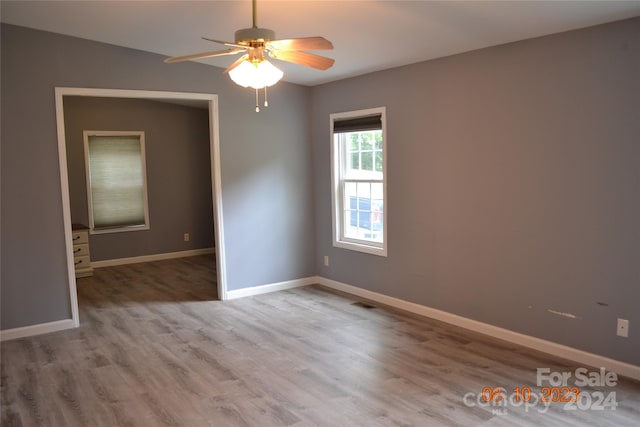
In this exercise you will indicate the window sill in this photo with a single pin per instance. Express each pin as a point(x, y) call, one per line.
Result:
point(119, 229)
point(360, 247)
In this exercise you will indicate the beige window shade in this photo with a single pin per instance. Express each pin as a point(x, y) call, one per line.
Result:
point(117, 181)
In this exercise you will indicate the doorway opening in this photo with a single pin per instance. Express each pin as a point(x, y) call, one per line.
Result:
point(209, 102)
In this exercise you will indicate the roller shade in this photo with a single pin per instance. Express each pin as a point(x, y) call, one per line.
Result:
point(358, 124)
point(117, 181)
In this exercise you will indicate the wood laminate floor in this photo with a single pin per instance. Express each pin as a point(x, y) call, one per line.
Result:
point(156, 349)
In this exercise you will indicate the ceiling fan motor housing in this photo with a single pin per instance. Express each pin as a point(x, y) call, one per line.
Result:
point(247, 35)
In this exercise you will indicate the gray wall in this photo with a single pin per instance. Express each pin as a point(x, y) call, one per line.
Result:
point(513, 185)
point(178, 173)
point(265, 159)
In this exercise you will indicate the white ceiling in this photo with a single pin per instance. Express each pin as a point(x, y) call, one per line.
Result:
point(367, 35)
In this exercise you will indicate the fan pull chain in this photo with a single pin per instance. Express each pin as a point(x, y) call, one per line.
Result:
point(257, 106)
point(266, 100)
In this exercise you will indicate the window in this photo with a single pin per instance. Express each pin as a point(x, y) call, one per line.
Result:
point(116, 181)
point(358, 184)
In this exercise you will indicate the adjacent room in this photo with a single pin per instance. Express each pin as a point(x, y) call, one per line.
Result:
point(320, 213)
point(177, 174)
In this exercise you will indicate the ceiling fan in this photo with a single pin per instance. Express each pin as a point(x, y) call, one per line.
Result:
point(253, 69)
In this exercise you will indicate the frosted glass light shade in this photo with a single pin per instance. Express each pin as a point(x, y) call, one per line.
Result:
point(257, 76)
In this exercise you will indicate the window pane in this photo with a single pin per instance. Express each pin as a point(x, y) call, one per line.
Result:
point(351, 206)
point(363, 161)
point(377, 211)
point(364, 210)
point(367, 141)
point(351, 224)
point(377, 191)
point(116, 181)
point(354, 146)
point(364, 190)
point(378, 137)
point(367, 161)
point(350, 191)
point(379, 159)
point(355, 160)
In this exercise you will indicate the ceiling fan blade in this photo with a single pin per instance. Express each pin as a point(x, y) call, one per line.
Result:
point(222, 42)
point(204, 55)
point(303, 58)
point(236, 63)
point(303, 43)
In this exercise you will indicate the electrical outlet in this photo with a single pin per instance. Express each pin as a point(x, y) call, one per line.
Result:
point(623, 328)
point(186, 237)
point(326, 260)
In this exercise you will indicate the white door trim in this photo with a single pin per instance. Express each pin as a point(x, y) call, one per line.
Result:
point(216, 184)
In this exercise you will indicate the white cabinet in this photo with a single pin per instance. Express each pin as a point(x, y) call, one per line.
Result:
point(81, 257)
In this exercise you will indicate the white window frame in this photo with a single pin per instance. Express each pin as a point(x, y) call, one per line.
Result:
point(338, 168)
point(140, 134)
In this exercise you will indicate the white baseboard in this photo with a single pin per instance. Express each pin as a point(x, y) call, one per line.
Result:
point(150, 258)
point(545, 346)
point(41, 328)
point(272, 287)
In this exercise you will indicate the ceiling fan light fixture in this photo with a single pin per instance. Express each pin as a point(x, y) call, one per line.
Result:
point(252, 69)
point(256, 75)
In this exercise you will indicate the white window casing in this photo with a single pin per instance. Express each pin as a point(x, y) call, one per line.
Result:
point(359, 190)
